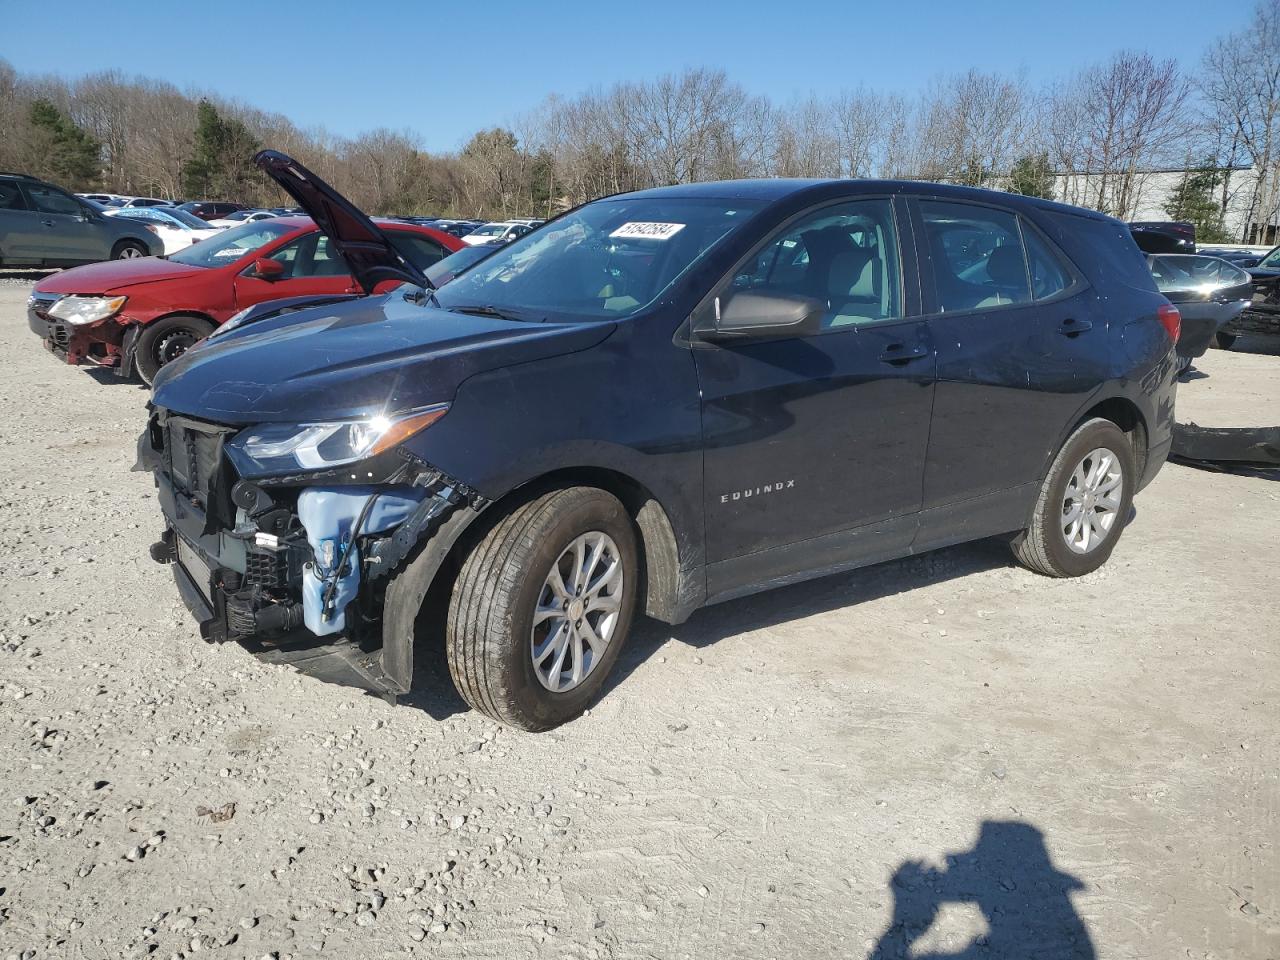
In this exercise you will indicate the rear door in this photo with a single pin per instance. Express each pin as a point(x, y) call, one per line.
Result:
point(809, 441)
point(22, 236)
point(1021, 345)
point(311, 266)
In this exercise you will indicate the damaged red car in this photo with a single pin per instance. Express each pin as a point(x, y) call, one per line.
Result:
point(137, 315)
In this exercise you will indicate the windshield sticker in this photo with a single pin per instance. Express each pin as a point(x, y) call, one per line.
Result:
point(637, 230)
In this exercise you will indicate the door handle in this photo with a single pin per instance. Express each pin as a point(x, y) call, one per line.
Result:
point(1071, 327)
point(49, 223)
point(898, 354)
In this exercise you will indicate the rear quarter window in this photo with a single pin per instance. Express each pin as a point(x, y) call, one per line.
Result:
point(1103, 250)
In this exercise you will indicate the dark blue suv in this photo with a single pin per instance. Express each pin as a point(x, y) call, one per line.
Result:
point(656, 401)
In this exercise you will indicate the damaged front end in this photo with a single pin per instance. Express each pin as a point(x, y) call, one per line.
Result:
point(293, 565)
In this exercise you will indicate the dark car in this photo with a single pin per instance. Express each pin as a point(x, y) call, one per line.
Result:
point(42, 225)
point(1161, 236)
point(656, 401)
point(211, 209)
point(1262, 316)
point(1209, 293)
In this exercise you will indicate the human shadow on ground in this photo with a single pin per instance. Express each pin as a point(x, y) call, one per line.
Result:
point(1009, 877)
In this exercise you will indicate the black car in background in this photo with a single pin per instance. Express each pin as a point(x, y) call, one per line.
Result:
point(1164, 236)
point(660, 400)
point(1262, 316)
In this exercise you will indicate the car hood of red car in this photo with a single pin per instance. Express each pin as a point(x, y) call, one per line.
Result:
point(113, 275)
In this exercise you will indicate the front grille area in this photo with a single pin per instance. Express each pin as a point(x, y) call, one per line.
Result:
point(40, 305)
point(268, 569)
point(59, 334)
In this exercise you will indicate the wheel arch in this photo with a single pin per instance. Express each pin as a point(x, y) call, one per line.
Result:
point(1121, 411)
point(670, 590)
point(1126, 415)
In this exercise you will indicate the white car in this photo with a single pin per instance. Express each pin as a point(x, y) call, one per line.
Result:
point(142, 202)
point(506, 231)
point(243, 216)
point(176, 228)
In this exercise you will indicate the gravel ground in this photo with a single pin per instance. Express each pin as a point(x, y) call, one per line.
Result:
point(931, 750)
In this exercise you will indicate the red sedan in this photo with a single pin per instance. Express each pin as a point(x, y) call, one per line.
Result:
point(139, 314)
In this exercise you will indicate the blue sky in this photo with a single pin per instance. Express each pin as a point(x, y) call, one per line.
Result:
point(446, 69)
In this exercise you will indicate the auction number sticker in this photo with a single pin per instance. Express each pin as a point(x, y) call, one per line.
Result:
point(638, 230)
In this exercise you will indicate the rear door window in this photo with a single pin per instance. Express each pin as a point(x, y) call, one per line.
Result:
point(419, 251)
point(11, 196)
point(1049, 275)
point(977, 256)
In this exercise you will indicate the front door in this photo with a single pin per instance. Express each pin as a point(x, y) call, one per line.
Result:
point(67, 232)
point(810, 440)
point(310, 268)
point(1021, 345)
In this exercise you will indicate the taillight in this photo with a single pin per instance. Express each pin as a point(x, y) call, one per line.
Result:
point(1170, 319)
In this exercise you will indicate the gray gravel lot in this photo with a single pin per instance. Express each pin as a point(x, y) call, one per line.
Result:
point(930, 750)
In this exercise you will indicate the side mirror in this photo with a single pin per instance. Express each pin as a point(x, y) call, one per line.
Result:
point(267, 269)
point(757, 315)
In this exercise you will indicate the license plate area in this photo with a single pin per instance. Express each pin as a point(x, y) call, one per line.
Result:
point(196, 568)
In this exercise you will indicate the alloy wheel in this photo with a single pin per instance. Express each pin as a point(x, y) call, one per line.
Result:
point(1091, 502)
point(577, 612)
point(130, 253)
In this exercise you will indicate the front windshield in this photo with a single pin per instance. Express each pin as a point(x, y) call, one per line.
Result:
point(606, 260)
point(232, 244)
point(442, 271)
point(1272, 259)
point(491, 230)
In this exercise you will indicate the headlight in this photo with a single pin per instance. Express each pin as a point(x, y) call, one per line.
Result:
point(86, 309)
point(282, 448)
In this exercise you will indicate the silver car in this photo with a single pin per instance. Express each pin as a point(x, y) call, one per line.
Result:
point(44, 226)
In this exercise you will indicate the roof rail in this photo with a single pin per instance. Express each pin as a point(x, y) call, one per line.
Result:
point(22, 176)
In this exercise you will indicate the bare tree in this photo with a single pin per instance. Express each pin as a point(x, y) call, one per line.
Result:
point(1114, 125)
point(1241, 85)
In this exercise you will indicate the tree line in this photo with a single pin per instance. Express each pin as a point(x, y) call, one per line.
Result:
point(1091, 139)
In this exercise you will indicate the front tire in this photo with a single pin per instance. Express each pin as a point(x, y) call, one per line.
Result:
point(542, 607)
point(164, 340)
point(1083, 505)
point(129, 250)
point(1224, 341)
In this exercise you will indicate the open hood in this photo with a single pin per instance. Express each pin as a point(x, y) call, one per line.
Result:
point(367, 250)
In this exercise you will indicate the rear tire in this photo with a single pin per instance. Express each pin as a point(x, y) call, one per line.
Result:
point(1224, 341)
point(129, 250)
point(506, 627)
point(1083, 505)
point(165, 340)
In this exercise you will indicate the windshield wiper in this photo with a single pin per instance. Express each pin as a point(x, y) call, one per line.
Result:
point(482, 310)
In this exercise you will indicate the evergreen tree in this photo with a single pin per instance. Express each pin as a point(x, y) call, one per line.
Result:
point(71, 156)
point(220, 164)
point(1032, 176)
point(1194, 200)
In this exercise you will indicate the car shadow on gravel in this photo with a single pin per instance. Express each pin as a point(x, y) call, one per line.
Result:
point(108, 378)
point(783, 604)
point(1010, 879)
